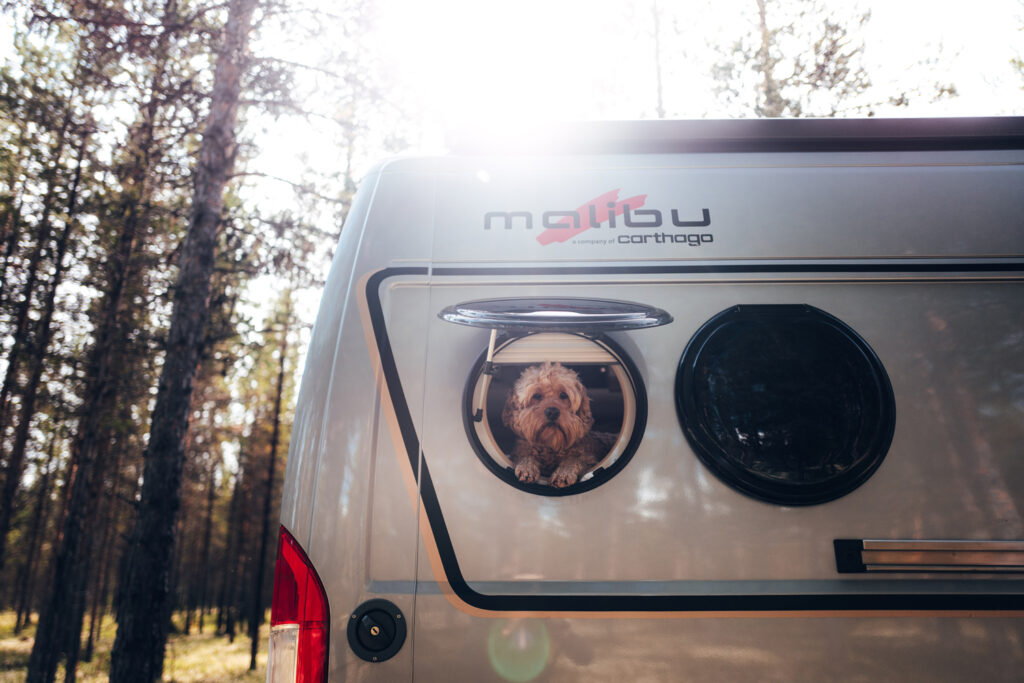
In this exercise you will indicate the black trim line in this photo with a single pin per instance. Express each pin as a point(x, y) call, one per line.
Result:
point(747, 268)
point(917, 602)
point(746, 135)
point(387, 361)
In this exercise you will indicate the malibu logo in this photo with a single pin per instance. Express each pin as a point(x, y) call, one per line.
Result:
point(609, 212)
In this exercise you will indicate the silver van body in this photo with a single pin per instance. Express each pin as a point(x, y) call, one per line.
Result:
point(911, 233)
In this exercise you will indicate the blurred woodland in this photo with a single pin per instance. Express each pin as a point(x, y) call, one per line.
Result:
point(128, 253)
point(148, 378)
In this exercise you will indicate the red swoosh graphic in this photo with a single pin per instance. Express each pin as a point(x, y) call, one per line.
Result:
point(601, 212)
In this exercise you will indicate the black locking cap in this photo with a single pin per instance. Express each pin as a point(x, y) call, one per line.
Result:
point(376, 630)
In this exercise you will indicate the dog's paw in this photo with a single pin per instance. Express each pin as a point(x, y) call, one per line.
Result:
point(565, 475)
point(527, 471)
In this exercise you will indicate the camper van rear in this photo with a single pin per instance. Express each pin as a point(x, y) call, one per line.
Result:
point(668, 401)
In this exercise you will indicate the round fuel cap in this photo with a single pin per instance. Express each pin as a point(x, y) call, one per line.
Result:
point(376, 630)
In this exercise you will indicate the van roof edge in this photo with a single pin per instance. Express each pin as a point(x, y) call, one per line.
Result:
point(743, 135)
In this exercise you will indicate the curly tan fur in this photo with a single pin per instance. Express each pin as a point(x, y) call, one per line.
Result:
point(549, 410)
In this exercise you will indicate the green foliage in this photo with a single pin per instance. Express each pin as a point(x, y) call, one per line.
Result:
point(798, 59)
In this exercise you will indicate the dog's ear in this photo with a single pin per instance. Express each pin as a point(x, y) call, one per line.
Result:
point(584, 409)
point(508, 412)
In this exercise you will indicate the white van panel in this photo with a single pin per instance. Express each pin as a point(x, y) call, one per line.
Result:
point(393, 523)
point(315, 392)
point(798, 206)
point(665, 572)
point(346, 471)
point(735, 650)
point(665, 518)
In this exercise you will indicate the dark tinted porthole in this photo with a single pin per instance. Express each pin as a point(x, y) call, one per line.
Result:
point(785, 403)
point(595, 367)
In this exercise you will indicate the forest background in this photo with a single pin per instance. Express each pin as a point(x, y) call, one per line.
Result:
point(174, 176)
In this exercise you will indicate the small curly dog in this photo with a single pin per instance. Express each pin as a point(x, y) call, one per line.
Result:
point(549, 410)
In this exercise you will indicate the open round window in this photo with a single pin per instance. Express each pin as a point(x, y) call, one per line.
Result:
point(785, 403)
point(554, 413)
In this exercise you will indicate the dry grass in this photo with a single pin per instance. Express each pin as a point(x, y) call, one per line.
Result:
point(190, 659)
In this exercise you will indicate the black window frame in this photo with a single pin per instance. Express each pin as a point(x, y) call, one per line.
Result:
point(878, 436)
point(601, 473)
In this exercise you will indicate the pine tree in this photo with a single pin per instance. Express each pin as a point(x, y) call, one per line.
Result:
point(60, 96)
point(797, 60)
point(115, 381)
point(279, 421)
point(91, 254)
point(142, 631)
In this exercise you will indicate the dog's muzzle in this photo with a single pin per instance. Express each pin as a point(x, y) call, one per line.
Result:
point(552, 413)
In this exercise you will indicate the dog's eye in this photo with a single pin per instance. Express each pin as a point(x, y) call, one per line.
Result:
point(564, 396)
point(536, 397)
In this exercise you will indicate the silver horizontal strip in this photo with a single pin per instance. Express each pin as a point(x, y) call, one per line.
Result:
point(942, 568)
point(1011, 546)
point(555, 314)
point(943, 556)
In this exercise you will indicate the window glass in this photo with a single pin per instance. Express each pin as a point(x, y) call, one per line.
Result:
point(785, 403)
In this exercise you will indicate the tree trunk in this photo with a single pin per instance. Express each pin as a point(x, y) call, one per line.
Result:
point(16, 461)
point(100, 590)
point(204, 565)
point(20, 332)
point(256, 617)
point(40, 511)
point(138, 652)
point(232, 550)
point(60, 619)
point(239, 559)
point(101, 584)
point(771, 103)
point(177, 569)
point(660, 108)
point(64, 611)
point(12, 220)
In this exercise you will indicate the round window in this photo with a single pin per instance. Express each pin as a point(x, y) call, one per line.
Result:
point(554, 413)
point(785, 403)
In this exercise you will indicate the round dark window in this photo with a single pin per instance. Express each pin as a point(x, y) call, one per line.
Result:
point(554, 413)
point(785, 403)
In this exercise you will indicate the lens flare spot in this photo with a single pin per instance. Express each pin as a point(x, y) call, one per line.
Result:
point(519, 649)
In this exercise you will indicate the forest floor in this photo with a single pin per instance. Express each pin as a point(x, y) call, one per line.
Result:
point(195, 658)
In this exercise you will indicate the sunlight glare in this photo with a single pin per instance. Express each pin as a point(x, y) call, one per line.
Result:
point(476, 63)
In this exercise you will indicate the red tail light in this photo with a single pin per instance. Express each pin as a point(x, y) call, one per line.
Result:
point(299, 618)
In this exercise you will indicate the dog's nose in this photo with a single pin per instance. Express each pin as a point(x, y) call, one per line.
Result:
point(551, 413)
